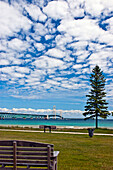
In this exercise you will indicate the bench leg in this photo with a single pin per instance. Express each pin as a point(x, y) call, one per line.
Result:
point(55, 164)
point(44, 129)
point(49, 129)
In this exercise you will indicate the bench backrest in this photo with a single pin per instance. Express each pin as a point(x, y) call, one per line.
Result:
point(25, 155)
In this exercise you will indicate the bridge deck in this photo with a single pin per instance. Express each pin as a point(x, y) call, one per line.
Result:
point(26, 115)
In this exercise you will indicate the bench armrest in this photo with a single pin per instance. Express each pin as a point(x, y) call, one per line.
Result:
point(55, 153)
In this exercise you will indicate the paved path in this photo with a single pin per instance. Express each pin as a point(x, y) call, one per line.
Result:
point(73, 133)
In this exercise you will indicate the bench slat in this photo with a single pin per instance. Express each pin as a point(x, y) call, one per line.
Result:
point(32, 169)
point(31, 164)
point(39, 157)
point(4, 161)
point(6, 153)
point(6, 148)
point(6, 156)
point(23, 160)
point(24, 168)
point(24, 143)
point(10, 168)
point(22, 163)
point(32, 149)
point(24, 157)
point(33, 157)
point(34, 162)
point(32, 153)
point(23, 153)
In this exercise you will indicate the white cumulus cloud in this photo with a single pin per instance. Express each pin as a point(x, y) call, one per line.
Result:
point(35, 12)
point(57, 9)
point(11, 20)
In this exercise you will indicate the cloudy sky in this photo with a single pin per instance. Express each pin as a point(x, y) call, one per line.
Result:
point(48, 49)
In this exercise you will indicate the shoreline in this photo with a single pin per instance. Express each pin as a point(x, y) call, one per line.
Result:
point(57, 127)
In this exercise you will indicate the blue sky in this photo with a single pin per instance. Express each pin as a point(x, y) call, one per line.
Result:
point(48, 50)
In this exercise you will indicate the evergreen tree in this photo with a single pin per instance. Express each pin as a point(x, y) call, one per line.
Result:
point(96, 104)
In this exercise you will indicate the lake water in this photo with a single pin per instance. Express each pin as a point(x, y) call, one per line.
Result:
point(108, 123)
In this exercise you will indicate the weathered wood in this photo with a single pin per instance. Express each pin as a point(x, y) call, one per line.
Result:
point(47, 126)
point(24, 143)
point(32, 157)
point(5, 161)
point(9, 168)
point(6, 156)
point(33, 149)
point(32, 169)
point(32, 162)
point(6, 168)
point(49, 155)
point(42, 126)
point(14, 155)
point(6, 148)
point(5, 152)
point(29, 153)
point(25, 155)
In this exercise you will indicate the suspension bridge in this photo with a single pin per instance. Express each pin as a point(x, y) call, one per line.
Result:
point(54, 115)
point(5, 115)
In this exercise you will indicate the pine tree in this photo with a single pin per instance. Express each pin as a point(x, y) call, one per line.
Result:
point(96, 104)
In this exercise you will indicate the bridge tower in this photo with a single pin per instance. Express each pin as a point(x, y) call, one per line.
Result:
point(54, 111)
point(47, 117)
point(61, 113)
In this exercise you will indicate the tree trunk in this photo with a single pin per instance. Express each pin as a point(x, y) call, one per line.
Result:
point(96, 120)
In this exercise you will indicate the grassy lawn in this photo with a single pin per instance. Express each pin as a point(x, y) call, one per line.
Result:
point(76, 151)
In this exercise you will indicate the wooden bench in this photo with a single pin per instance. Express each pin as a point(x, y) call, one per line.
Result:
point(47, 126)
point(21, 155)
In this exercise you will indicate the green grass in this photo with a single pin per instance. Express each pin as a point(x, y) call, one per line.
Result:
point(77, 152)
point(100, 130)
